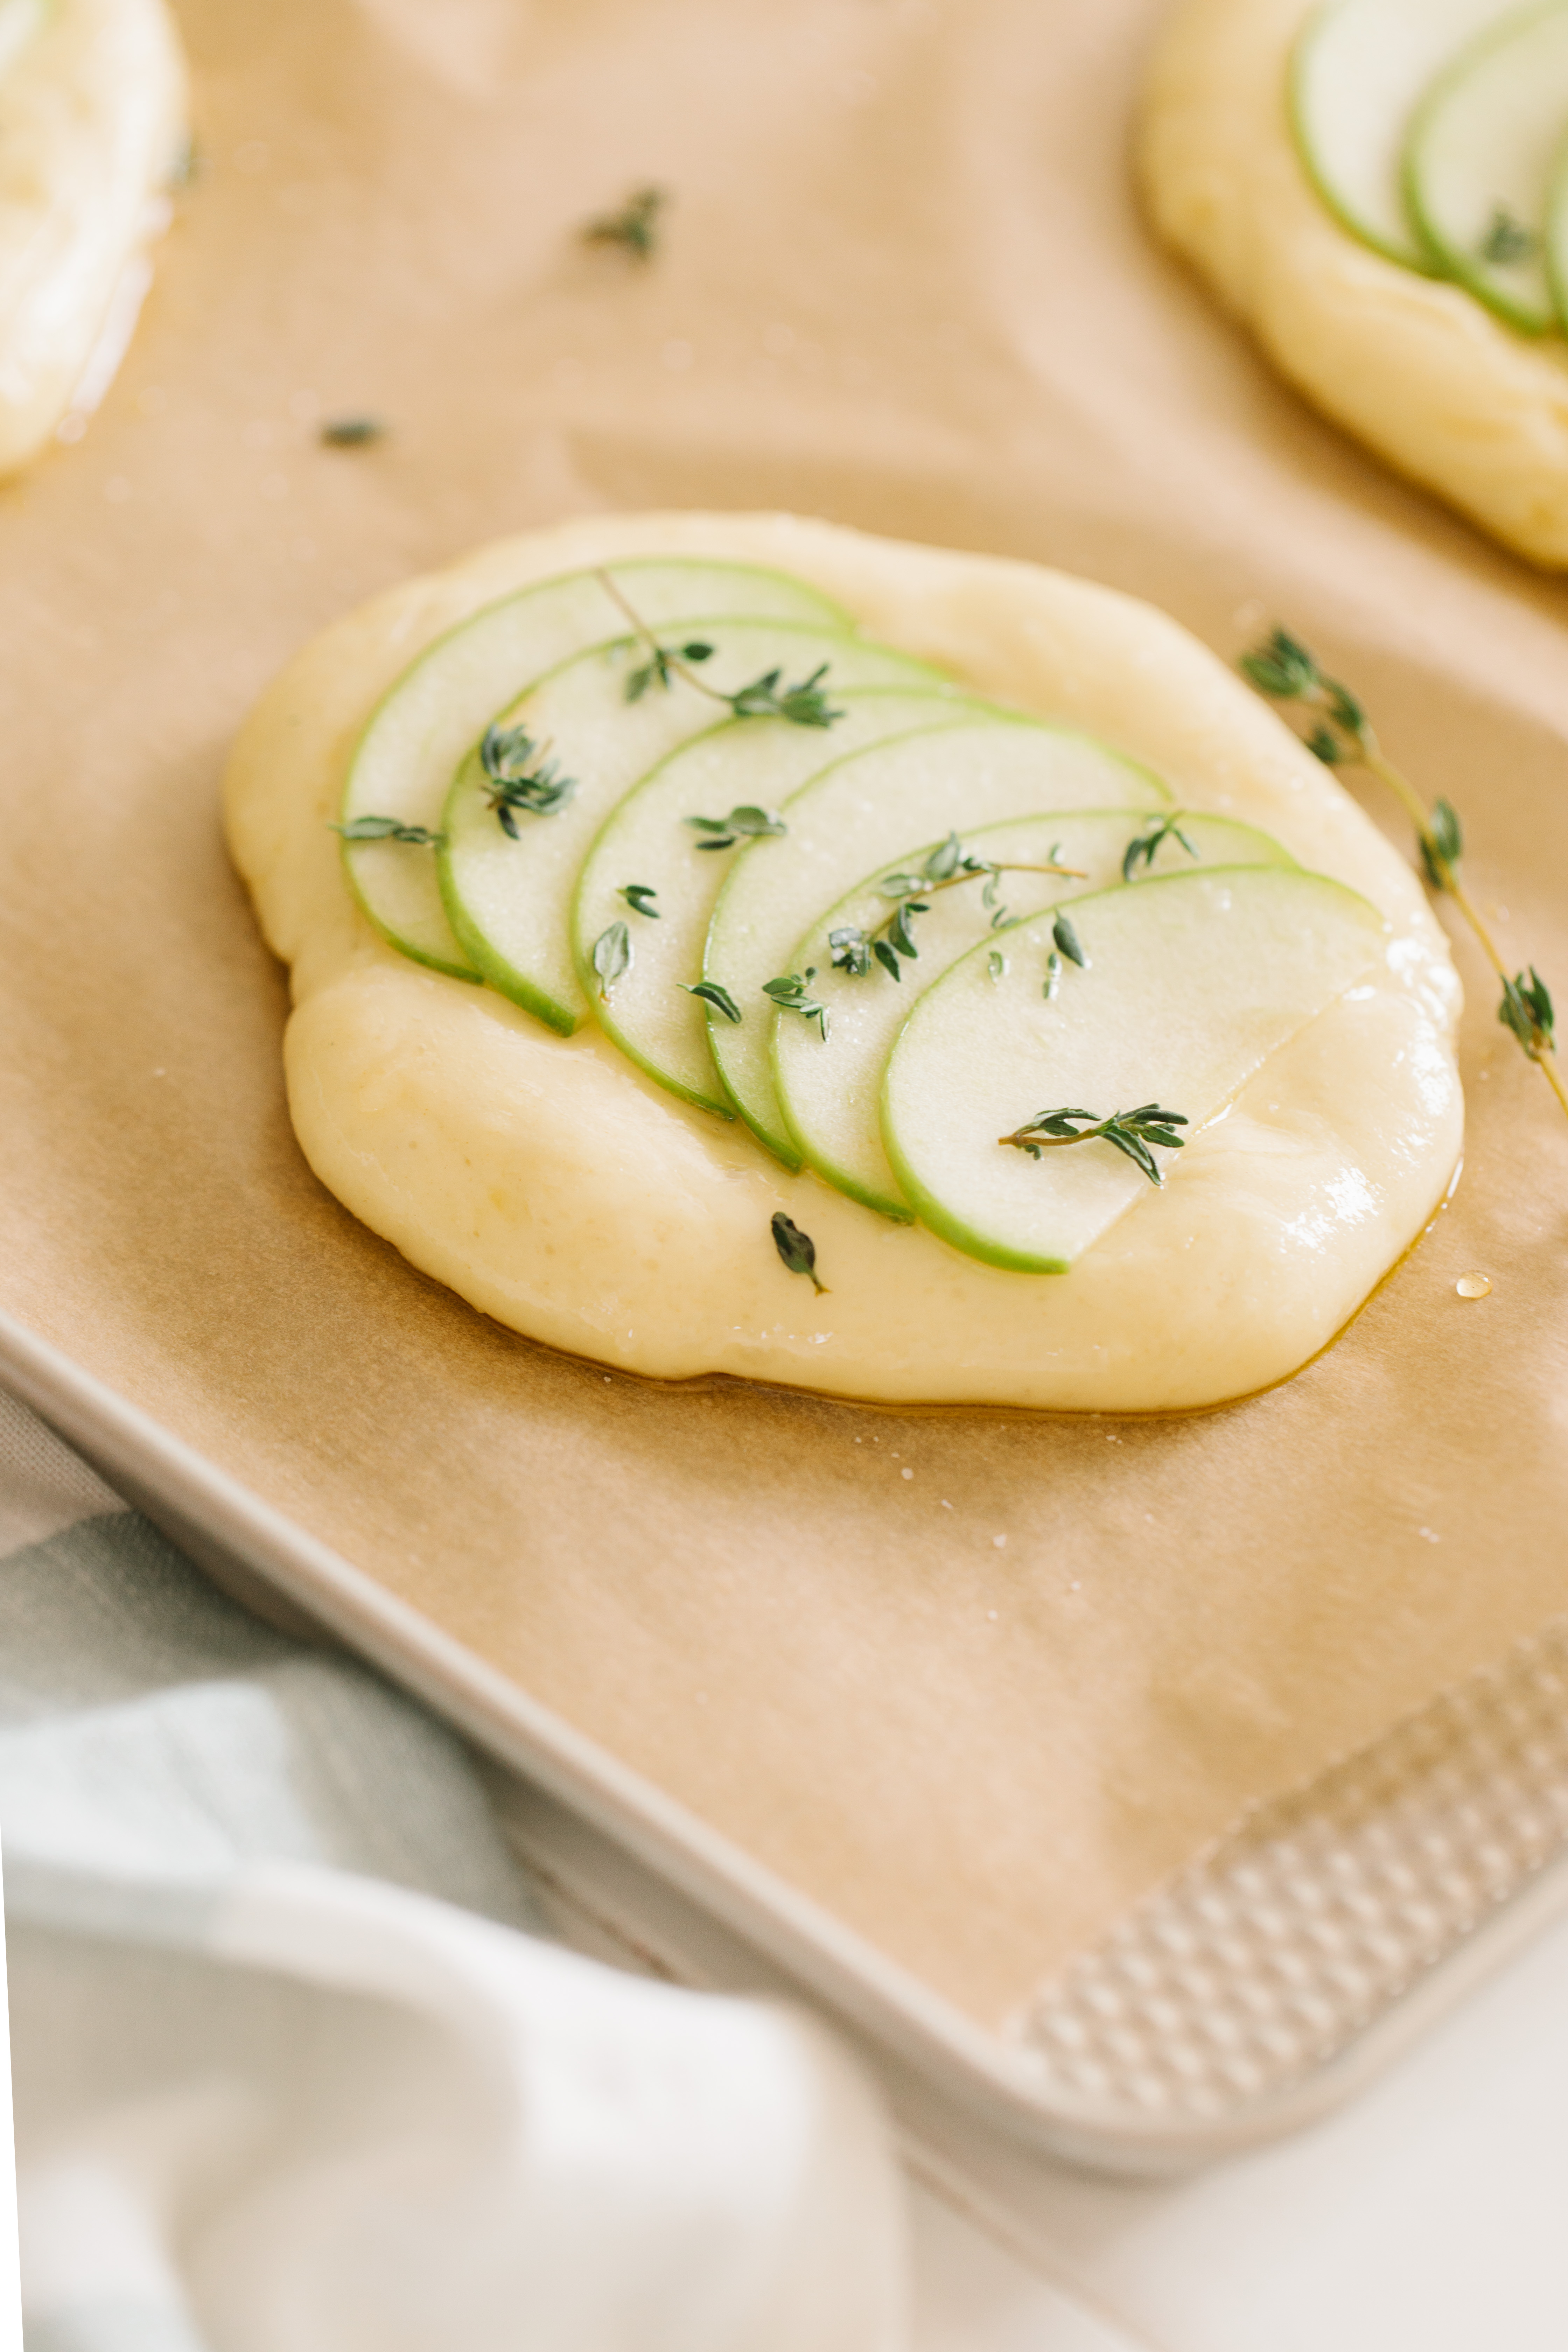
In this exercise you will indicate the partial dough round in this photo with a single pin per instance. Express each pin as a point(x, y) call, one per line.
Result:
point(558, 1189)
point(92, 98)
point(1417, 367)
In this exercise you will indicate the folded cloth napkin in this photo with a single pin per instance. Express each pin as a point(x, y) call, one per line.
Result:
point(295, 2071)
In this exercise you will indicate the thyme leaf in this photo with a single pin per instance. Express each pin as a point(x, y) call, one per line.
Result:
point(351, 432)
point(711, 994)
point(612, 957)
point(388, 828)
point(1526, 1009)
point(634, 227)
point(1287, 671)
point(792, 993)
point(1441, 845)
point(639, 896)
point(997, 964)
point(518, 776)
point(1053, 981)
point(1507, 238)
point(745, 822)
point(1068, 940)
point(797, 1250)
point(1145, 848)
point(1133, 1132)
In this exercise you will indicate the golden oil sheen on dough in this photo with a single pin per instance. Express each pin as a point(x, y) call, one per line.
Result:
point(557, 1190)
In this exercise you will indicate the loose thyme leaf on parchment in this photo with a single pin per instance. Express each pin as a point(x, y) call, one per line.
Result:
point(634, 227)
point(351, 432)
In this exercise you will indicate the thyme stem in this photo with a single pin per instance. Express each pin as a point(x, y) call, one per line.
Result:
point(660, 653)
point(804, 705)
point(1286, 671)
point(1373, 758)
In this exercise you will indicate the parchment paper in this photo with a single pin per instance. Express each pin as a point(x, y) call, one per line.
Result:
point(979, 1710)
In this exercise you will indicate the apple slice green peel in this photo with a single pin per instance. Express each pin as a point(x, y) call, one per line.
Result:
point(651, 847)
point(1481, 159)
point(860, 814)
point(507, 887)
point(1358, 72)
point(1189, 983)
point(438, 709)
point(830, 1085)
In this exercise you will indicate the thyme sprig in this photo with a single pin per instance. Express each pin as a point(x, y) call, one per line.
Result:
point(1342, 735)
point(805, 704)
point(640, 896)
point(746, 823)
point(854, 948)
point(519, 776)
point(792, 993)
point(1145, 848)
point(612, 957)
point(388, 828)
point(1132, 1132)
point(712, 994)
point(797, 1250)
point(634, 227)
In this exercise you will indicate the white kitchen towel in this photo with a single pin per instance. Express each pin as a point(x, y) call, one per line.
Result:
point(296, 2071)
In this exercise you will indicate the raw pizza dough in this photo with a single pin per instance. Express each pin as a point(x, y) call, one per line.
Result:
point(92, 112)
point(1417, 367)
point(558, 1189)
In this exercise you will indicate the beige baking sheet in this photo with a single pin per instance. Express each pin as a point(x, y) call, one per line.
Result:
point(902, 287)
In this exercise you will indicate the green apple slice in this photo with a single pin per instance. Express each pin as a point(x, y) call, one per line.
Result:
point(1190, 982)
point(860, 815)
point(1358, 73)
point(649, 839)
point(830, 1086)
point(509, 899)
point(441, 705)
point(1479, 164)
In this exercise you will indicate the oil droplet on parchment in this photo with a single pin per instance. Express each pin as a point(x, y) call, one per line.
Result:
point(1474, 1286)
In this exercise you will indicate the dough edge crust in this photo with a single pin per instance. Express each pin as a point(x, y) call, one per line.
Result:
point(1418, 369)
point(555, 1188)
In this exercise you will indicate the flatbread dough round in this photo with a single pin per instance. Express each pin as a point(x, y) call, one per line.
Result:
point(1417, 367)
point(92, 113)
point(558, 1189)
